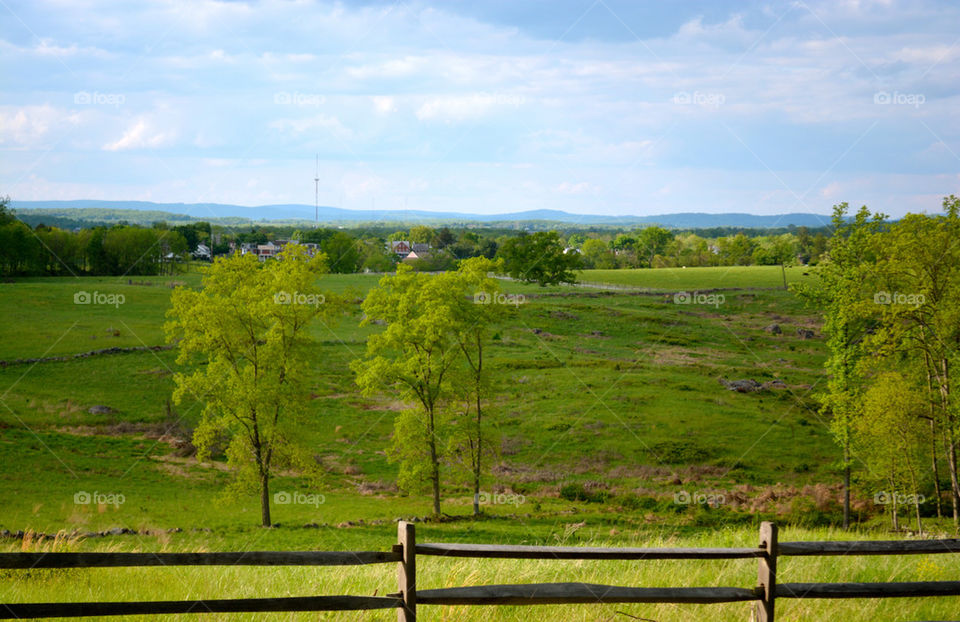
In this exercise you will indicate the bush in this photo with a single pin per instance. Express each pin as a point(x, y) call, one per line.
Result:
point(577, 492)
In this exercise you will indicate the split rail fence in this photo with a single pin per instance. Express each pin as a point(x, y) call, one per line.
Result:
point(408, 598)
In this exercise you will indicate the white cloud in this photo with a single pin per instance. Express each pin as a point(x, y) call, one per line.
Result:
point(140, 135)
point(28, 125)
point(305, 125)
point(463, 107)
point(384, 104)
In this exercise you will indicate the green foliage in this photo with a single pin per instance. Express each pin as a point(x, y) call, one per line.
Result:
point(539, 258)
point(245, 335)
point(575, 491)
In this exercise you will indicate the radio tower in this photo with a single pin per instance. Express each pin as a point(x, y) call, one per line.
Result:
point(316, 195)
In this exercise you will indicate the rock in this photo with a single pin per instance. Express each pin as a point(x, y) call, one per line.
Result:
point(92, 534)
point(806, 333)
point(100, 409)
point(116, 531)
point(773, 329)
point(773, 384)
point(4, 533)
point(741, 386)
point(311, 526)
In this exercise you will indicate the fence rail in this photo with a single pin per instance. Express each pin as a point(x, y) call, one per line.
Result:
point(408, 597)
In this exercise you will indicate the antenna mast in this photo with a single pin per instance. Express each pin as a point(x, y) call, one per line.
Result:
point(316, 195)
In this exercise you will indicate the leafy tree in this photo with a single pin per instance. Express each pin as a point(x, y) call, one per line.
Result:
point(919, 272)
point(653, 241)
point(343, 253)
point(7, 215)
point(889, 438)
point(444, 238)
point(246, 334)
point(477, 305)
point(841, 293)
point(539, 258)
point(597, 254)
point(415, 356)
point(422, 234)
point(736, 250)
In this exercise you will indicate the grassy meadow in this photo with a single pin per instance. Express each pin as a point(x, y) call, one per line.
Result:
point(615, 394)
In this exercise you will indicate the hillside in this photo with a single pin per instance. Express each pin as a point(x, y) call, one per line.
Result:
point(146, 212)
point(619, 393)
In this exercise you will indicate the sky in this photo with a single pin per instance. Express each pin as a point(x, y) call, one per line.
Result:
point(593, 107)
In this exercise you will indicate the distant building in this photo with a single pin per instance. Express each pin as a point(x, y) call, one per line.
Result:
point(400, 248)
point(202, 252)
point(268, 250)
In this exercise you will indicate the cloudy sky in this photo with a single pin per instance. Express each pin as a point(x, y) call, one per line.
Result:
point(591, 106)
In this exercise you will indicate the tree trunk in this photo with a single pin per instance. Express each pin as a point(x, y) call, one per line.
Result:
point(954, 484)
point(435, 466)
point(936, 467)
point(783, 271)
point(846, 485)
point(933, 435)
point(477, 463)
point(265, 499)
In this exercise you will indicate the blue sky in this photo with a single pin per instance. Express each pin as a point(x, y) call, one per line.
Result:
point(595, 107)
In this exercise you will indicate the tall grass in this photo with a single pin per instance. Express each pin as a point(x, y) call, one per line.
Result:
point(128, 584)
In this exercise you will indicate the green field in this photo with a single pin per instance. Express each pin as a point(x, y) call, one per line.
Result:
point(674, 279)
point(617, 392)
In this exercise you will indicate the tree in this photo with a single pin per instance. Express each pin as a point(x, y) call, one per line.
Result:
point(422, 234)
point(841, 293)
point(416, 356)
point(889, 438)
point(653, 241)
point(597, 254)
point(246, 334)
point(7, 215)
point(919, 270)
point(477, 305)
point(342, 251)
point(539, 258)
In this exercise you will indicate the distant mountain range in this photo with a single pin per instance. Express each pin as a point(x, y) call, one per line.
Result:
point(336, 215)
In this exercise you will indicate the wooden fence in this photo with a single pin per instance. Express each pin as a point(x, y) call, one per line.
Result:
point(408, 598)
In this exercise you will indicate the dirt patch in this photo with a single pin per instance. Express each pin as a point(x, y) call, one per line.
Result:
point(679, 356)
point(171, 434)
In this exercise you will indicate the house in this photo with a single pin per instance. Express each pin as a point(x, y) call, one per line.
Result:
point(400, 248)
point(268, 250)
point(248, 247)
point(420, 249)
point(202, 252)
point(413, 256)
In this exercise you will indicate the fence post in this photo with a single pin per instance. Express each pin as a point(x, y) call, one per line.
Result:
point(767, 575)
point(407, 572)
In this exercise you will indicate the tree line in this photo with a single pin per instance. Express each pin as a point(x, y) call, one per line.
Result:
point(889, 294)
point(123, 248)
